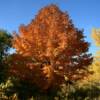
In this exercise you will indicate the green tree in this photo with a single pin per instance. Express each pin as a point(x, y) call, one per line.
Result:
point(5, 45)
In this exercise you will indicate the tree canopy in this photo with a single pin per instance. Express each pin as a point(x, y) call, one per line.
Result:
point(5, 45)
point(49, 49)
point(96, 36)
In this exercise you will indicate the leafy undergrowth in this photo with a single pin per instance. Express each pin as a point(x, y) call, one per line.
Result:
point(12, 89)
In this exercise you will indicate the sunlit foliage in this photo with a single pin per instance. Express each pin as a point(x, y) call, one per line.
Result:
point(96, 36)
point(48, 49)
point(96, 63)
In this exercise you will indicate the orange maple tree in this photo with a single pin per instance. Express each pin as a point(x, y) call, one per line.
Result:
point(50, 48)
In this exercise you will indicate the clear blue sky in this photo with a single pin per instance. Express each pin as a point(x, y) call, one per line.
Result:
point(84, 13)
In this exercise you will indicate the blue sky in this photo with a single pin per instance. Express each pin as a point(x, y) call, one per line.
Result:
point(84, 13)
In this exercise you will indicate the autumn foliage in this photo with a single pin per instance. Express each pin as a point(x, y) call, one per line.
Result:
point(49, 49)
